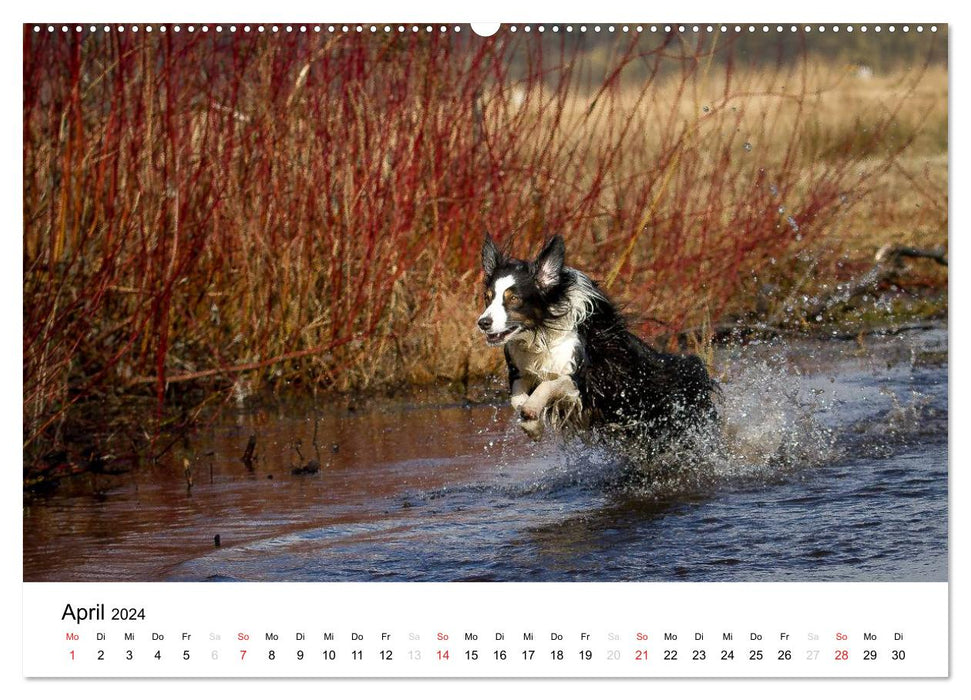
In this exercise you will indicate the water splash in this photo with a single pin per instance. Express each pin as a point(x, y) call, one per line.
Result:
point(769, 427)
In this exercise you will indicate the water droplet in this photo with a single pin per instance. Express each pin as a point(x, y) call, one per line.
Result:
point(706, 109)
point(747, 146)
point(792, 224)
point(782, 210)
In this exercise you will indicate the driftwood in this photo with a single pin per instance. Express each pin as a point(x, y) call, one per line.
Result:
point(895, 252)
point(887, 264)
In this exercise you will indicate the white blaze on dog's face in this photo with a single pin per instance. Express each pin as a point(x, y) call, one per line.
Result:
point(518, 293)
point(495, 321)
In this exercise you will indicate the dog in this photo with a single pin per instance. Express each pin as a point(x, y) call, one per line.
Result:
point(574, 365)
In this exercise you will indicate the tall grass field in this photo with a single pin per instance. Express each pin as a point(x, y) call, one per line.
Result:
point(212, 215)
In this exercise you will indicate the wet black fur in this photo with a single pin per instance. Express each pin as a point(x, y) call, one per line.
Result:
point(627, 384)
point(627, 388)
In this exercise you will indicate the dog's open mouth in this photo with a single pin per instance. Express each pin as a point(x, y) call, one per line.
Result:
point(501, 337)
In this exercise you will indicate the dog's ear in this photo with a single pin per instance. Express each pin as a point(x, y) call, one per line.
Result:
point(549, 263)
point(491, 257)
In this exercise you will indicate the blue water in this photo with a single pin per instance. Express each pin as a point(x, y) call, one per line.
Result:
point(858, 493)
point(832, 467)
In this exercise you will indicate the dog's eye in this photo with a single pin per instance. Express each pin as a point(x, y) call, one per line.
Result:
point(513, 299)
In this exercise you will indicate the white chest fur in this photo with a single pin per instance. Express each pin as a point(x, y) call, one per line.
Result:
point(545, 357)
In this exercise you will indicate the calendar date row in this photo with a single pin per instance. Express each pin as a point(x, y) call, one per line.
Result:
point(495, 655)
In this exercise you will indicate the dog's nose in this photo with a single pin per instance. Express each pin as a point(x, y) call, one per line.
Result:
point(485, 323)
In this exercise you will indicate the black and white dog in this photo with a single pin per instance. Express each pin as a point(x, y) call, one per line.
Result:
point(572, 361)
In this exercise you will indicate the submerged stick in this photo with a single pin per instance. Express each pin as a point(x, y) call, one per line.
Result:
point(249, 453)
point(187, 470)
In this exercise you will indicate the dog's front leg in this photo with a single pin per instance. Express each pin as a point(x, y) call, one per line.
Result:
point(550, 390)
point(520, 394)
point(531, 412)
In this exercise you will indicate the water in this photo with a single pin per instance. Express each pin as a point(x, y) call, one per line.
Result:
point(833, 467)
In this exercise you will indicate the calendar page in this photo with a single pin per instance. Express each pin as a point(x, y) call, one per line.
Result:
point(448, 350)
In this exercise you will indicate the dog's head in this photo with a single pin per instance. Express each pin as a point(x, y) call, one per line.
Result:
point(518, 293)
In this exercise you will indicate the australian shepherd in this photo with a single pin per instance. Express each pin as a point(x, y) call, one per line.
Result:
point(574, 365)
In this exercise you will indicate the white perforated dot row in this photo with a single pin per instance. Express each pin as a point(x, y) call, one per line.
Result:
point(429, 28)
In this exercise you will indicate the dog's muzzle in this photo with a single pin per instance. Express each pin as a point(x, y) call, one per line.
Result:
point(501, 337)
point(496, 337)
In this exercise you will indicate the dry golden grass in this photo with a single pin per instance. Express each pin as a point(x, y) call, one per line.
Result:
point(903, 203)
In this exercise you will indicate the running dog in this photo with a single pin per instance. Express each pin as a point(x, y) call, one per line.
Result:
point(573, 364)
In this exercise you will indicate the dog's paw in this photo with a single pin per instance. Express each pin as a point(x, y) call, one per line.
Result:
point(518, 400)
point(533, 428)
point(528, 413)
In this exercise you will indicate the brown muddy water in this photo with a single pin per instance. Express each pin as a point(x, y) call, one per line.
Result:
point(832, 466)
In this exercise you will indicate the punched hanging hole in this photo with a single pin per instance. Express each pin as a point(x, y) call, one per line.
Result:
point(485, 28)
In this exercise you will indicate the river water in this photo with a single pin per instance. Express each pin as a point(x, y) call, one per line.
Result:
point(832, 467)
